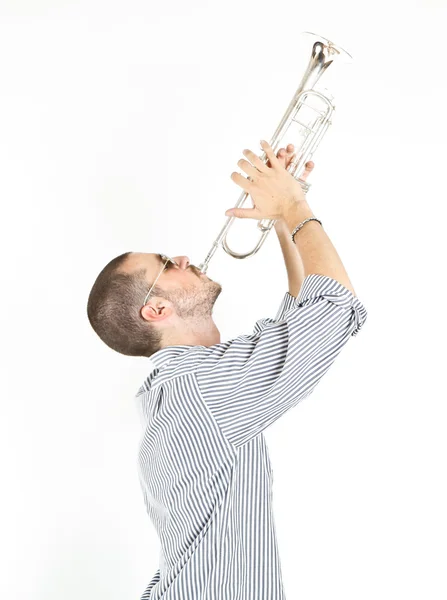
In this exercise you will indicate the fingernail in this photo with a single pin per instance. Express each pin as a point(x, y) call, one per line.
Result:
point(228, 213)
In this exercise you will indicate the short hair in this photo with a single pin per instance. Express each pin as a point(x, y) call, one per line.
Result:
point(113, 310)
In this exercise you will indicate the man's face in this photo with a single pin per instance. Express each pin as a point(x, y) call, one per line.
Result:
point(191, 292)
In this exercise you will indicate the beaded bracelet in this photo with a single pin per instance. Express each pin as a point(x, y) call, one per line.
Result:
point(298, 227)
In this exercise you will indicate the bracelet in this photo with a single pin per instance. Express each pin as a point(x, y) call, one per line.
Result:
point(298, 227)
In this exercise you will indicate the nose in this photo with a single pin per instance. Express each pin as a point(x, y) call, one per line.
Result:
point(182, 261)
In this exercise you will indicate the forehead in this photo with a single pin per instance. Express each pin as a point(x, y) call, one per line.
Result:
point(144, 260)
point(146, 257)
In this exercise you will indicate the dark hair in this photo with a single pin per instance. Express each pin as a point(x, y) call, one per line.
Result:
point(113, 310)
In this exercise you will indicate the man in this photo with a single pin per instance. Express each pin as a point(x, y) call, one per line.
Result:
point(204, 466)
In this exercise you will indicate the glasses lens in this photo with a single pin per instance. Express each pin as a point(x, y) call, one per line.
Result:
point(169, 262)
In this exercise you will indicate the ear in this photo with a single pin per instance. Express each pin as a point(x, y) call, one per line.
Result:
point(156, 310)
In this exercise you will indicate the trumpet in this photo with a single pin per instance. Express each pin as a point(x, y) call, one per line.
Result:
point(312, 120)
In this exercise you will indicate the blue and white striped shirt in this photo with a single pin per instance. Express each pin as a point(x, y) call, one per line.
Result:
point(203, 462)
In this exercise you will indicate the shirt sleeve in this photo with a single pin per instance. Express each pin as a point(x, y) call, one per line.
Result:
point(288, 302)
point(250, 381)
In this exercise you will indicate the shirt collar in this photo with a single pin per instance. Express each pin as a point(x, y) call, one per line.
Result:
point(165, 355)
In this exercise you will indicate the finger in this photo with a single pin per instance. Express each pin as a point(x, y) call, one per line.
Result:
point(290, 154)
point(244, 213)
point(270, 154)
point(309, 167)
point(242, 182)
point(247, 168)
point(285, 156)
point(281, 156)
point(255, 160)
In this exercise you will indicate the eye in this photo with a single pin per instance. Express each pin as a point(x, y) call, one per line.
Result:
point(164, 259)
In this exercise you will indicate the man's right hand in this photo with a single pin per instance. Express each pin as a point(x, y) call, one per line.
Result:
point(273, 189)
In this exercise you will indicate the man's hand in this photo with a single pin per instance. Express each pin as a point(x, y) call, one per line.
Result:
point(292, 259)
point(285, 157)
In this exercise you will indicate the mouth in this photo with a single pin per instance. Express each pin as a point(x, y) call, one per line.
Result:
point(196, 271)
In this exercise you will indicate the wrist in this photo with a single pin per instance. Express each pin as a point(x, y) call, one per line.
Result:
point(282, 231)
point(294, 214)
point(280, 223)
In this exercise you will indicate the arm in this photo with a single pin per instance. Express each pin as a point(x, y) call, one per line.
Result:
point(316, 250)
point(292, 258)
point(295, 275)
point(250, 381)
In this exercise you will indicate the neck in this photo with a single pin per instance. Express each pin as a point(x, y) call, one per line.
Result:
point(203, 333)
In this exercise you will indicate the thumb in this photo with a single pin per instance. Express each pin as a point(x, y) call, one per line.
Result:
point(243, 213)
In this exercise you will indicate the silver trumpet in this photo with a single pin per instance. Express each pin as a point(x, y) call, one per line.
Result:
point(313, 122)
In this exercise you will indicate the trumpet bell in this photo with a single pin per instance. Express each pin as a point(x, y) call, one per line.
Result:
point(342, 55)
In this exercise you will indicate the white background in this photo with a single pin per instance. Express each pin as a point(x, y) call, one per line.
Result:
point(120, 124)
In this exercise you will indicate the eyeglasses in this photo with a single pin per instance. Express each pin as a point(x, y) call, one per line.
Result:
point(167, 259)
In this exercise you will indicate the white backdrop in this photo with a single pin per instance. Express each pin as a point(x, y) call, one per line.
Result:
point(120, 124)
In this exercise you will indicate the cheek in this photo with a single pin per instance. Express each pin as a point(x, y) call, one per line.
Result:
point(184, 279)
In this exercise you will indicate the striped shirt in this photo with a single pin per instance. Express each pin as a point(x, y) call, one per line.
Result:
point(203, 462)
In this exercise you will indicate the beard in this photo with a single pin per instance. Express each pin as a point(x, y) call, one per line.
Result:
point(195, 302)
